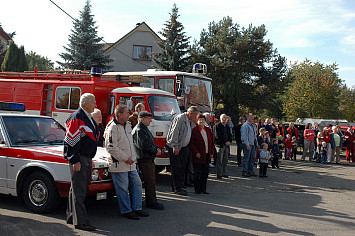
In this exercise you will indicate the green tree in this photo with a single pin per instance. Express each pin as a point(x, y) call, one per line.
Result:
point(174, 47)
point(42, 63)
point(22, 62)
point(2, 52)
point(83, 50)
point(247, 72)
point(347, 101)
point(10, 62)
point(313, 91)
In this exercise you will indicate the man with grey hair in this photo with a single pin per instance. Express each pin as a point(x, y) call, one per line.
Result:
point(80, 144)
point(223, 139)
point(177, 141)
point(208, 119)
point(249, 141)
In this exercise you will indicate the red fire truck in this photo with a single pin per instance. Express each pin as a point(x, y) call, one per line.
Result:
point(191, 89)
point(57, 95)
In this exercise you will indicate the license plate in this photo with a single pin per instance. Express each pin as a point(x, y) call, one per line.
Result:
point(101, 196)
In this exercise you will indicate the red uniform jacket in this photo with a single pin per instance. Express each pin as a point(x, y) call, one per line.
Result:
point(289, 131)
point(326, 137)
point(197, 145)
point(350, 140)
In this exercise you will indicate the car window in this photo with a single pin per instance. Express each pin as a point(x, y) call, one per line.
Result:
point(29, 131)
point(2, 141)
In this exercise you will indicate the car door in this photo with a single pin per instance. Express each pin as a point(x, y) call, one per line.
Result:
point(3, 161)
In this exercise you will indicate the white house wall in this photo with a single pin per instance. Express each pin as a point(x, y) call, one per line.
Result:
point(124, 63)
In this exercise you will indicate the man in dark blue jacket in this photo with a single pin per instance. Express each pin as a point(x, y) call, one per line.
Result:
point(146, 150)
point(80, 144)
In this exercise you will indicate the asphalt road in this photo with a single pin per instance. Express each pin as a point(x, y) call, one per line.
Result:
point(300, 198)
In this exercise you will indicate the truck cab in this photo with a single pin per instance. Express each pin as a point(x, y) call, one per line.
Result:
point(163, 106)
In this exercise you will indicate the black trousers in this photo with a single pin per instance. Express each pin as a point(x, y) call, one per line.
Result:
point(178, 164)
point(76, 210)
point(275, 162)
point(148, 172)
point(293, 153)
point(263, 169)
point(200, 176)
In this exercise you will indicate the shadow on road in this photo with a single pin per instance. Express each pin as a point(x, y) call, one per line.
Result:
point(295, 199)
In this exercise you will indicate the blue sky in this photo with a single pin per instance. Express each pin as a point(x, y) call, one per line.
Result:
point(320, 30)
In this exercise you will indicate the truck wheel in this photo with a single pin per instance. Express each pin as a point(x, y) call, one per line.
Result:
point(159, 169)
point(40, 193)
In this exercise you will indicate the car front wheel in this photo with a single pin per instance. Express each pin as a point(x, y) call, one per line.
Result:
point(40, 193)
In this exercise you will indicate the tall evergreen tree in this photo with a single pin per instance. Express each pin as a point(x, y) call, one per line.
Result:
point(10, 62)
point(2, 52)
point(175, 45)
point(83, 50)
point(22, 62)
point(247, 72)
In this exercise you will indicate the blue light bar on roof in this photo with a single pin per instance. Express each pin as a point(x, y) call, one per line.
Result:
point(12, 106)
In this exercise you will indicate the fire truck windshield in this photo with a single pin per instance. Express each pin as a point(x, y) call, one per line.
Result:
point(163, 107)
point(198, 93)
point(28, 131)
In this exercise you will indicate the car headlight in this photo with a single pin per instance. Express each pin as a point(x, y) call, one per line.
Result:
point(105, 174)
point(164, 150)
point(95, 175)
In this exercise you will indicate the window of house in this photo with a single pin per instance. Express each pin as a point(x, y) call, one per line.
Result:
point(67, 98)
point(142, 52)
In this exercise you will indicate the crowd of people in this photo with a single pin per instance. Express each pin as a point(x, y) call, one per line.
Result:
point(193, 141)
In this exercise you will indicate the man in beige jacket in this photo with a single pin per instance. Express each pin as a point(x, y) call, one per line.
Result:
point(119, 143)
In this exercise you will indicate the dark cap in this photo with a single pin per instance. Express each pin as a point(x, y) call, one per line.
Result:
point(144, 114)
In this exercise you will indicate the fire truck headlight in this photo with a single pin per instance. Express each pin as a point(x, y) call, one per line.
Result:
point(95, 175)
point(105, 174)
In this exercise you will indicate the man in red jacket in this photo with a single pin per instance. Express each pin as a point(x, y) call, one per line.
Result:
point(350, 140)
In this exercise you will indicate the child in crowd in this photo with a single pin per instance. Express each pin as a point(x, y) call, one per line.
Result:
point(264, 160)
point(280, 141)
point(294, 148)
point(323, 151)
point(319, 145)
point(267, 140)
point(276, 153)
point(288, 146)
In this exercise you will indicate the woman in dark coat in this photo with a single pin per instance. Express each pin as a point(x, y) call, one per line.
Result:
point(202, 148)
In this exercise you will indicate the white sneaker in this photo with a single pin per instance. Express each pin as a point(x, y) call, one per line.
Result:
point(211, 165)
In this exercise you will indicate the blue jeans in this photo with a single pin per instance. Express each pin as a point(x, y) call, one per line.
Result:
point(128, 187)
point(248, 159)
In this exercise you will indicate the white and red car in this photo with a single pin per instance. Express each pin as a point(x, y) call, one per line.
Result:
point(32, 165)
